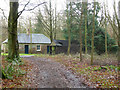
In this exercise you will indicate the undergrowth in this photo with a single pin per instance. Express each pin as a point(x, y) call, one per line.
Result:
point(12, 69)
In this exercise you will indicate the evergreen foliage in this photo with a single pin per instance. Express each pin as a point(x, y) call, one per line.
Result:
point(99, 38)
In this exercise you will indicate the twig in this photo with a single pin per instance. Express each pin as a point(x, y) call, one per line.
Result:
point(3, 13)
point(19, 13)
point(35, 6)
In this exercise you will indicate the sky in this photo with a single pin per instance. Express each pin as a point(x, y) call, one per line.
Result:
point(61, 5)
point(4, 4)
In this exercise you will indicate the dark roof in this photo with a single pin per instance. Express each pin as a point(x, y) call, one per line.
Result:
point(36, 39)
point(61, 42)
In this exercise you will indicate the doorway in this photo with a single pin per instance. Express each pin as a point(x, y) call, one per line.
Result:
point(26, 49)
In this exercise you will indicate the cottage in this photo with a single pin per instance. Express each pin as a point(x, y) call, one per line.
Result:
point(30, 43)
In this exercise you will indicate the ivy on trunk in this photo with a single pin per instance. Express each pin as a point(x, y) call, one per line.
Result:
point(13, 46)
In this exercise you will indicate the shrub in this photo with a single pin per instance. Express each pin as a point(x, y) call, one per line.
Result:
point(113, 49)
point(12, 69)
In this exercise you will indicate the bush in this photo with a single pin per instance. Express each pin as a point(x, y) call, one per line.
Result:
point(12, 69)
point(100, 41)
point(16, 59)
point(113, 49)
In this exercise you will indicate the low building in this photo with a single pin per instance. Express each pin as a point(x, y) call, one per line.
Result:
point(30, 43)
point(61, 46)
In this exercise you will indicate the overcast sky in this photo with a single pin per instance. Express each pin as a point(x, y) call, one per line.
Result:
point(61, 5)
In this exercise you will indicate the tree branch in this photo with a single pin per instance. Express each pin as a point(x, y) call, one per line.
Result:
point(35, 6)
point(112, 24)
point(116, 16)
point(42, 19)
point(29, 9)
point(3, 13)
point(19, 13)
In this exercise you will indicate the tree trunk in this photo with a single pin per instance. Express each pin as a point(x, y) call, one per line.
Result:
point(81, 33)
point(92, 50)
point(13, 46)
point(106, 46)
point(119, 53)
point(51, 28)
point(51, 31)
point(85, 27)
point(119, 44)
point(114, 34)
point(55, 36)
point(69, 41)
point(119, 34)
point(69, 29)
point(1, 25)
point(30, 36)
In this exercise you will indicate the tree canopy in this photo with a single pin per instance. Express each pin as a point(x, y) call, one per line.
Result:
point(99, 31)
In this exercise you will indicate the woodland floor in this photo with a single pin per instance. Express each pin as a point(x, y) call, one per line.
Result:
point(46, 73)
point(62, 71)
point(104, 73)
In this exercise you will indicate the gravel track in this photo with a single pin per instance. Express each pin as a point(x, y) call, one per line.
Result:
point(46, 73)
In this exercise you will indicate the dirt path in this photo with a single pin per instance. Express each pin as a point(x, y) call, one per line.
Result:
point(49, 74)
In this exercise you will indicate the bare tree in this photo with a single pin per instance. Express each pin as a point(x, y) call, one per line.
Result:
point(13, 46)
point(81, 32)
point(92, 50)
point(86, 27)
point(106, 46)
point(48, 23)
point(116, 27)
point(69, 26)
point(30, 32)
point(51, 25)
point(55, 23)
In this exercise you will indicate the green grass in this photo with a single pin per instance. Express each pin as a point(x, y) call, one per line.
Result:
point(27, 54)
point(22, 54)
point(5, 54)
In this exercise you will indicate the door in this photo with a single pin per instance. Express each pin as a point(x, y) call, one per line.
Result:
point(26, 49)
point(48, 49)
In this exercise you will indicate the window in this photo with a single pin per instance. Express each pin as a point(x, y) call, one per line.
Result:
point(38, 48)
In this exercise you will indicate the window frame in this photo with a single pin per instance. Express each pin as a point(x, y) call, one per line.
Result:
point(39, 47)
